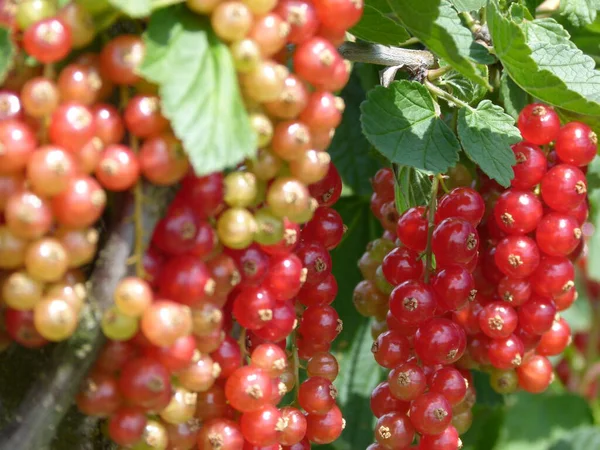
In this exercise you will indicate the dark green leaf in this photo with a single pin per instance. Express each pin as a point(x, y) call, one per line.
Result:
point(532, 5)
point(359, 373)
point(380, 5)
point(583, 438)
point(535, 421)
point(593, 176)
point(485, 430)
point(438, 26)
point(580, 12)
point(349, 149)
point(468, 5)
point(540, 59)
point(198, 89)
point(401, 122)
point(568, 116)
point(7, 52)
point(512, 96)
point(376, 27)
point(486, 134)
point(412, 187)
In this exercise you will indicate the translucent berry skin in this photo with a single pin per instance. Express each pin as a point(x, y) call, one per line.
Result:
point(253, 308)
point(329, 189)
point(320, 323)
point(71, 126)
point(338, 15)
point(449, 382)
point(314, 60)
point(430, 413)
point(440, 341)
point(126, 426)
point(454, 287)
point(323, 293)
point(530, 167)
point(517, 256)
point(281, 325)
point(383, 402)
point(455, 241)
point(498, 320)
point(302, 26)
point(18, 143)
point(186, 280)
point(537, 315)
point(518, 212)
point(316, 259)
point(317, 395)
point(462, 202)
point(48, 40)
point(412, 302)
point(119, 169)
point(535, 374)
point(326, 227)
point(325, 428)
point(412, 229)
point(394, 431)
point(506, 353)
point(564, 188)
point(554, 276)
point(514, 291)
point(260, 427)
point(576, 144)
point(446, 440)
point(402, 264)
point(144, 382)
point(538, 124)
point(390, 349)
point(248, 388)
point(407, 381)
point(227, 431)
point(558, 234)
point(556, 339)
point(80, 204)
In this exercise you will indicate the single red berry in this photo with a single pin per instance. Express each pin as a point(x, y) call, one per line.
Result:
point(402, 264)
point(412, 228)
point(506, 353)
point(412, 302)
point(514, 291)
point(383, 402)
point(538, 124)
point(462, 202)
point(394, 430)
point(329, 189)
point(325, 428)
point(186, 280)
point(99, 395)
point(518, 212)
point(440, 341)
point(316, 259)
point(145, 382)
point(517, 256)
point(556, 339)
point(285, 277)
point(323, 293)
point(48, 40)
point(281, 325)
point(455, 241)
point(317, 395)
point(118, 169)
point(302, 18)
point(564, 188)
point(390, 349)
point(262, 427)
point(126, 426)
point(537, 315)
point(531, 165)
point(326, 227)
point(248, 388)
point(454, 287)
point(535, 374)
point(576, 144)
point(321, 323)
point(446, 440)
point(295, 428)
point(407, 381)
point(339, 15)
point(554, 276)
point(558, 234)
point(253, 308)
point(498, 320)
point(430, 413)
point(449, 382)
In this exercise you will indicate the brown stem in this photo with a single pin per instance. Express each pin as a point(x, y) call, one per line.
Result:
point(36, 419)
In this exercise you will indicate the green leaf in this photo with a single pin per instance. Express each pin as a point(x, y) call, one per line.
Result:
point(583, 438)
point(512, 96)
point(438, 26)
point(461, 87)
point(568, 116)
point(468, 5)
point(200, 96)
point(542, 61)
point(485, 429)
point(7, 53)
point(535, 421)
point(133, 8)
point(486, 134)
point(349, 149)
point(380, 5)
point(579, 12)
point(593, 177)
point(376, 27)
point(359, 373)
point(532, 5)
point(401, 122)
point(412, 187)
point(103, 13)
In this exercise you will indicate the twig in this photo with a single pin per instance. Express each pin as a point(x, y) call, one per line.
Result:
point(412, 60)
point(430, 226)
point(39, 414)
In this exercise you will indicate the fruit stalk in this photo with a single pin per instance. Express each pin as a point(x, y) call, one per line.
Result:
point(47, 402)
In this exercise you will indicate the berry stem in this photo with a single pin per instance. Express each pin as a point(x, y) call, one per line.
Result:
point(295, 367)
point(430, 226)
point(139, 246)
point(438, 92)
point(434, 74)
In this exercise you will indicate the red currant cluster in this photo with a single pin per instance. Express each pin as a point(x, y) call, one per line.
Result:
point(503, 270)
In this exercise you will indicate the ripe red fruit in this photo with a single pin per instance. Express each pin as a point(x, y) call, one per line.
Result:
point(556, 339)
point(554, 276)
point(329, 189)
point(262, 427)
point(564, 188)
point(440, 341)
point(303, 25)
point(248, 388)
point(120, 58)
point(394, 430)
point(430, 413)
point(80, 204)
point(462, 202)
point(224, 431)
point(118, 169)
point(506, 353)
point(498, 320)
point(383, 402)
point(48, 40)
point(145, 382)
point(339, 15)
point(537, 315)
point(126, 426)
point(576, 144)
point(314, 60)
point(316, 259)
point(535, 374)
point(454, 287)
point(412, 302)
point(317, 395)
point(325, 428)
point(518, 212)
point(285, 277)
point(449, 382)
point(531, 165)
point(455, 241)
point(143, 117)
point(446, 440)
point(320, 322)
point(390, 349)
point(538, 124)
point(326, 227)
point(517, 256)
point(72, 126)
point(18, 144)
point(253, 308)
point(412, 228)
point(558, 234)
point(323, 293)
point(402, 264)
point(407, 381)
point(99, 395)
